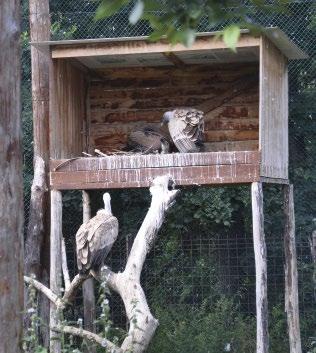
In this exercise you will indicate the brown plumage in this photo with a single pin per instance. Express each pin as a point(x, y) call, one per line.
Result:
point(95, 238)
point(148, 140)
point(186, 128)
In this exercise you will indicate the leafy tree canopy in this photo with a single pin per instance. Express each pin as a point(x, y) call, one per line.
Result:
point(179, 20)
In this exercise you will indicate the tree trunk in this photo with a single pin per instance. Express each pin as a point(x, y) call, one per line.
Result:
point(11, 183)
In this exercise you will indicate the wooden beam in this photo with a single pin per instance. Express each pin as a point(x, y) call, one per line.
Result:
point(291, 277)
point(55, 264)
point(174, 59)
point(155, 161)
point(88, 285)
point(143, 46)
point(142, 177)
point(40, 31)
point(129, 171)
point(261, 268)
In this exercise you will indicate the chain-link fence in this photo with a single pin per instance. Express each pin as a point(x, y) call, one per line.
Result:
point(200, 275)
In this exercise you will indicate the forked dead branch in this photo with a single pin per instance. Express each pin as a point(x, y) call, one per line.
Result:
point(142, 324)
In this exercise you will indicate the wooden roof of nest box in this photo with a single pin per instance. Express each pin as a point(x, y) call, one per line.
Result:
point(100, 89)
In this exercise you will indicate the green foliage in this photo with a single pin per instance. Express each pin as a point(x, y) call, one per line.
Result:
point(30, 340)
point(104, 323)
point(211, 327)
point(179, 20)
point(59, 30)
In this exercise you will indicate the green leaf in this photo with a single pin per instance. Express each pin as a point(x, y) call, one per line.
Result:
point(195, 12)
point(185, 36)
point(189, 37)
point(231, 35)
point(108, 8)
point(156, 35)
point(136, 12)
point(152, 5)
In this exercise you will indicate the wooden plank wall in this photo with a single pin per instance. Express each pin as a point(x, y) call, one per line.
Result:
point(129, 98)
point(68, 92)
point(273, 111)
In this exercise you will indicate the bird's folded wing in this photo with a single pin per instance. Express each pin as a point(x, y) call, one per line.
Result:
point(180, 135)
point(144, 141)
point(104, 236)
point(82, 236)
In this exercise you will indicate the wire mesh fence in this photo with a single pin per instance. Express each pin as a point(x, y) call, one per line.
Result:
point(203, 257)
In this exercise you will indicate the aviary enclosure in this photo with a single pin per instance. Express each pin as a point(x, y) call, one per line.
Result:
point(100, 90)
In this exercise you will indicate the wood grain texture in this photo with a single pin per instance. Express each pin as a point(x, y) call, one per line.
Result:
point(143, 46)
point(39, 243)
point(88, 285)
point(68, 89)
point(11, 183)
point(139, 171)
point(273, 111)
point(130, 98)
point(40, 31)
point(35, 229)
point(260, 251)
point(95, 164)
point(291, 276)
point(133, 178)
point(55, 265)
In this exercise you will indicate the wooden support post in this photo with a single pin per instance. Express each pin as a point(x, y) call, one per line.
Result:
point(261, 268)
point(291, 281)
point(11, 182)
point(88, 285)
point(55, 264)
point(40, 31)
point(37, 254)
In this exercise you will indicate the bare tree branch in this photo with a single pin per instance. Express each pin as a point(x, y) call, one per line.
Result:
point(74, 285)
point(35, 228)
point(64, 265)
point(142, 324)
point(90, 336)
point(43, 289)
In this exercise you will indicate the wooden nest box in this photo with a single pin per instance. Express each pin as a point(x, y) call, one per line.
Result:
point(102, 89)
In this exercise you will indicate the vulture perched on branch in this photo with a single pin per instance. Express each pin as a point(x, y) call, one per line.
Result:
point(95, 238)
point(186, 128)
point(148, 140)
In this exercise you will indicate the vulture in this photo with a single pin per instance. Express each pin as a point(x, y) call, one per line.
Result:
point(95, 238)
point(186, 128)
point(148, 140)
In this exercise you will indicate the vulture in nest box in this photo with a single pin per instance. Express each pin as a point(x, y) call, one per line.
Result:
point(186, 128)
point(148, 140)
point(95, 238)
